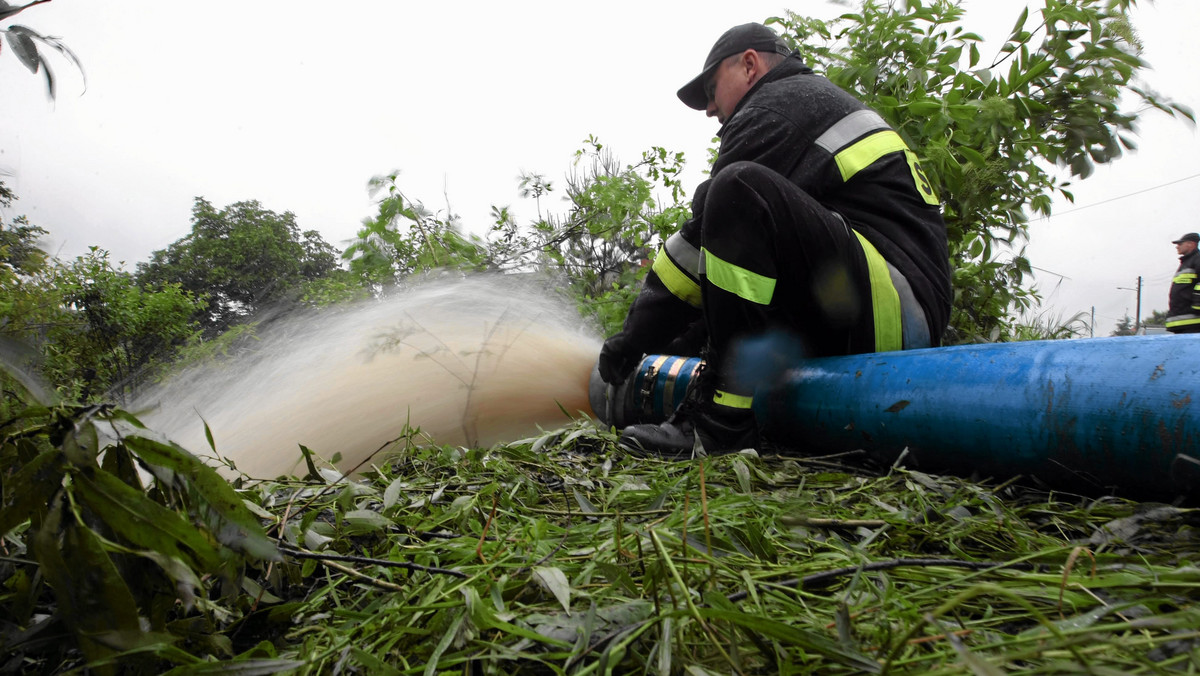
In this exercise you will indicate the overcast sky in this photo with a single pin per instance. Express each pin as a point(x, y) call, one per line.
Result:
point(298, 104)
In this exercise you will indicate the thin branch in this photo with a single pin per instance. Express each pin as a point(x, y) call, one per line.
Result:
point(831, 523)
point(297, 553)
point(819, 579)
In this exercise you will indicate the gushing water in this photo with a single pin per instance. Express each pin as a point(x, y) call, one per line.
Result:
point(466, 361)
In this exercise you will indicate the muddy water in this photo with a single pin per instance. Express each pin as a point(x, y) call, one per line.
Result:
point(466, 361)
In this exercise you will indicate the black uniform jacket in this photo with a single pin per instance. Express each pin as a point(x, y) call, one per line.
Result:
point(1183, 310)
point(846, 157)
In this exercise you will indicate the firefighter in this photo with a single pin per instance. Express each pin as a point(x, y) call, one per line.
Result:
point(1183, 307)
point(817, 234)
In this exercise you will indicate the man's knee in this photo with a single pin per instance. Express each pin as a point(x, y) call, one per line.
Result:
point(740, 178)
point(746, 197)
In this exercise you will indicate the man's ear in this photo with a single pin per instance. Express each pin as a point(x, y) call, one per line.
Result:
point(751, 65)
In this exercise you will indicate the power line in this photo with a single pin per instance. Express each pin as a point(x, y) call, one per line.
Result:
point(1121, 197)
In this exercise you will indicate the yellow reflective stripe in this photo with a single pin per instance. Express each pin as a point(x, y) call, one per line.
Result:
point(1185, 278)
point(1186, 321)
point(864, 153)
point(739, 281)
point(677, 282)
point(732, 400)
point(920, 179)
point(885, 300)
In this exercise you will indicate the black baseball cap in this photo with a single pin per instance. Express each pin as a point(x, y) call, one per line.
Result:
point(735, 41)
point(1190, 237)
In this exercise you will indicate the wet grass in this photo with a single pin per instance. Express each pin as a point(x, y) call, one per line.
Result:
point(565, 555)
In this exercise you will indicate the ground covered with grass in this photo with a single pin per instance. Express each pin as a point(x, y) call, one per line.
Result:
point(564, 554)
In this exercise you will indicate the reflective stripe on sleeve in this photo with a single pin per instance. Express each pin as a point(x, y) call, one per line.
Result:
point(1184, 278)
point(677, 281)
point(848, 128)
point(864, 153)
point(861, 138)
point(885, 300)
point(1182, 320)
point(739, 281)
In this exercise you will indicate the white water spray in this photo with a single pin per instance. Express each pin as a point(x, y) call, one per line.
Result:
point(468, 361)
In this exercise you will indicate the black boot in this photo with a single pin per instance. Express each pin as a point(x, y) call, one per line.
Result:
point(677, 437)
point(719, 429)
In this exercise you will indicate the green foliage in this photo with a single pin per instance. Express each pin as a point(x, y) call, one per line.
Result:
point(22, 265)
point(1124, 327)
point(21, 258)
point(23, 43)
point(562, 554)
point(109, 329)
point(241, 259)
point(406, 238)
point(990, 132)
point(1049, 326)
point(1156, 318)
point(598, 248)
point(131, 576)
point(25, 305)
point(85, 325)
point(338, 286)
point(612, 229)
point(200, 351)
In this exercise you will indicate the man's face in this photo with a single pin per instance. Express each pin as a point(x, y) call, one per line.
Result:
point(1184, 248)
point(726, 87)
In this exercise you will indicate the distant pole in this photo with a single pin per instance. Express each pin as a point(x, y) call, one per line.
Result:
point(1092, 327)
point(1137, 319)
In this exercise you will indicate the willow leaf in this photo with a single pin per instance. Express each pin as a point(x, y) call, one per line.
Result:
point(141, 521)
point(237, 528)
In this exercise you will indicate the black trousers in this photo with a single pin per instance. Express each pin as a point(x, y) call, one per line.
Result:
point(783, 278)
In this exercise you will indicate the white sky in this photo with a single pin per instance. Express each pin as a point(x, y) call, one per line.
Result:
point(298, 104)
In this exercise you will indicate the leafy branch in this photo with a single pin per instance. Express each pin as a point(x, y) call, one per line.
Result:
point(24, 44)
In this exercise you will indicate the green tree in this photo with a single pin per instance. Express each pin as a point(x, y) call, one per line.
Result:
point(26, 308)
point(241, 259)
point(1124, 327)
point(85, 325)
point(22, 261)
point(111, 329)
point(1156, 318)
point(1061, 91)
point(613, 227)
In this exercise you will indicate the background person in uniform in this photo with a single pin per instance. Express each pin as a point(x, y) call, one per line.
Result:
point(1183, 308)
point(817, 234)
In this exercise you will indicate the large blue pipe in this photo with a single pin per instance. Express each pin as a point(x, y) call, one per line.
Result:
point(1092, 416)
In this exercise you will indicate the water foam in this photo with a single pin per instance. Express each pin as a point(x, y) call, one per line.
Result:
point(469, 361)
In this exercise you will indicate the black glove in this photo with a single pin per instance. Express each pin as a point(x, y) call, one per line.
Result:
point(617, 360)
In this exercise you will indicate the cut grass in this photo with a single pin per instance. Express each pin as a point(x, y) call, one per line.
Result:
point(563, 554)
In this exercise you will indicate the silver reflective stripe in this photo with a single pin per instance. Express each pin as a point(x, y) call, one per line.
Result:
point(850, 128)
point(686, 256)
point(914, 326)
